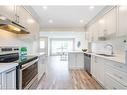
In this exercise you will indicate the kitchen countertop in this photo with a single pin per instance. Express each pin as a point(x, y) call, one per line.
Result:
point(117, 58)
point(37, 54)
point(7, 66)
point(75, 52)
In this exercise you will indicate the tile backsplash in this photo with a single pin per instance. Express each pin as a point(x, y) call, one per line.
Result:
point(119, 45)
point(11, 39)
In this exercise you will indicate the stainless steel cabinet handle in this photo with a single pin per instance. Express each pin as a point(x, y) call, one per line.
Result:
point(117, 76)
point(118, 66)
point(18, 19)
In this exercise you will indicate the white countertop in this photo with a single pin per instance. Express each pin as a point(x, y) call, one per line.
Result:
point(7, 66)
point(117, 58)
point(75, 52)
point(37, 54)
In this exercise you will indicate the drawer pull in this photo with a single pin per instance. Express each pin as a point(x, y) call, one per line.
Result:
point(117, 76)
point(118, 66)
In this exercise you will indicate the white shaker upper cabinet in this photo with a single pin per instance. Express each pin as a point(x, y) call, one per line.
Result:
point(90, 34)
point(122, 21)
point(33, 27)
point(30, 22)
point(102, 31)
point(21, 14)
point(111, 23)
point(108, 24)
point(8, 12)
point(95, 31)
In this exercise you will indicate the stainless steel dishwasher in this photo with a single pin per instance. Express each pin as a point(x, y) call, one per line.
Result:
point(87, 63)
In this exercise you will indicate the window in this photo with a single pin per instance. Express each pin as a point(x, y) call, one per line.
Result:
point(59, 46)
point(42, 44)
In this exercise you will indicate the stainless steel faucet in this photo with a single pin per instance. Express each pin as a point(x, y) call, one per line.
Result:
point(111, 47)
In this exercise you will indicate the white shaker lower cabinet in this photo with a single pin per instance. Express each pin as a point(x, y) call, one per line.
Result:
point(80, 60)
point(41, 66)
point(76, 60)
point(8, 80)
point(97, 69)
point(110, 83)
point(110, 74)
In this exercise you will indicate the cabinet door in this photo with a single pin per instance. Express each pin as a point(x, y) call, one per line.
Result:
point(94, 67)
point(21, 16)
point(100, 72)
point(122, 25)
point(80, 61)
point(102, 31)
point(87, 35)
point(90, 31)
point(9, 79)
point(110, 83)
point(40, 67)
point(95, 31)
point(111, 23)
point(97, 68)
point(30, 22)
point(72, 60)
point(34, 29)
point(8, 12)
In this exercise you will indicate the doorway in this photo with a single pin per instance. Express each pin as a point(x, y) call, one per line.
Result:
point(60, 46)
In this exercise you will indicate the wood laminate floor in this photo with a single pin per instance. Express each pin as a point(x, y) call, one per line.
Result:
point(59, 77)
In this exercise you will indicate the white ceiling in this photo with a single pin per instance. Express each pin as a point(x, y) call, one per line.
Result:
point(65, 16)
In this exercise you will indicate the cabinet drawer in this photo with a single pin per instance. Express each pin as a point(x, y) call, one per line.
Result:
point(117, 75)
point(116, 65)
point(110, 83)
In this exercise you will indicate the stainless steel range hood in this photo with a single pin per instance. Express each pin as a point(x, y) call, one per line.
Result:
point(8, 25)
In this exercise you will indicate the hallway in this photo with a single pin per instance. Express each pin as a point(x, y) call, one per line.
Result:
point(59, 77)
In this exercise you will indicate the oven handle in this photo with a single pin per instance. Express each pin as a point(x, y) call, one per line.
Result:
point(29, 64)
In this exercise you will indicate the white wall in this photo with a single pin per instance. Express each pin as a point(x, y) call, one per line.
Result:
point(11, 39)
point(78, 36)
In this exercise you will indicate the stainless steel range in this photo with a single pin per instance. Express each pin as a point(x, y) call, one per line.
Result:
point(27, 70)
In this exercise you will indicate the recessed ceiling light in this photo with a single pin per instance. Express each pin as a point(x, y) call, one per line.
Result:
point(50, 21)
point(81, 21)
point(44, 7)
point(91, 7)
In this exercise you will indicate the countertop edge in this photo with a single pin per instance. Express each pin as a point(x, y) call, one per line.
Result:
point(7, 66)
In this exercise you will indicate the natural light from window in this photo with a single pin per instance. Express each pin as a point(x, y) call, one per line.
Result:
point(42, 44)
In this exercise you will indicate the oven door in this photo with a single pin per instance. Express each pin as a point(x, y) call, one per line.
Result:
point(28, 74)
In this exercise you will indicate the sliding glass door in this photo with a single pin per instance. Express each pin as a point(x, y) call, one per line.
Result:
point(59, 46)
